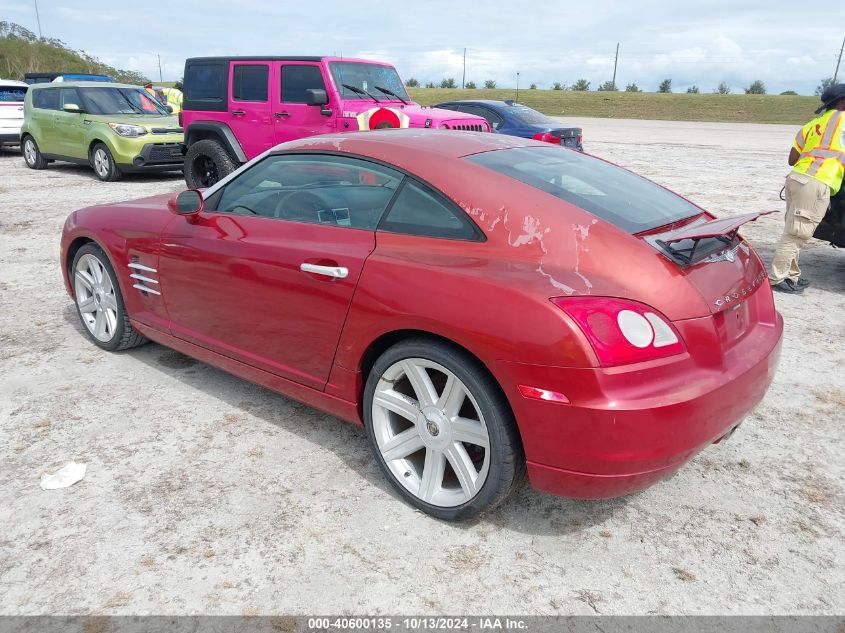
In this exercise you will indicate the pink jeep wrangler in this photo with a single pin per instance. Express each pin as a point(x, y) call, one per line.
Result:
point(235, 108)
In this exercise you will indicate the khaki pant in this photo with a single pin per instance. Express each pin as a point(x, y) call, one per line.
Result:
point(807, 200)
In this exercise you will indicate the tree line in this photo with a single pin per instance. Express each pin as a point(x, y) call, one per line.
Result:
point(757, 87)
point(21, 52)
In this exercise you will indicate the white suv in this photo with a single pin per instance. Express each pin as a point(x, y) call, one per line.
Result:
point(12, 94)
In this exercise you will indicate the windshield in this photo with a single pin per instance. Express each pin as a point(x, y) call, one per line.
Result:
point(121, 101)
point(367, 77)
point(527, 115)
point(611, 193)
point(12, 93)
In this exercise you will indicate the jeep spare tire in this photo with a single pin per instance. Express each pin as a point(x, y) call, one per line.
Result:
point(207, 162)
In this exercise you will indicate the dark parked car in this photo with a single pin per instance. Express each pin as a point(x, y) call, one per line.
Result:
point(515, 119)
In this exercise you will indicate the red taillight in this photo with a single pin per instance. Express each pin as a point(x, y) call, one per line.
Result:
point(580, 140)
point(546, 138)
point(622, 331)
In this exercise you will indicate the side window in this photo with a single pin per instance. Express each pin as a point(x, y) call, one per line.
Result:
point(297, 79)
point(419, 210)
point(206, 82)
point(47, 99)
point(249, 82)
point(314, 189)
point(69, 95)
point(495, 120)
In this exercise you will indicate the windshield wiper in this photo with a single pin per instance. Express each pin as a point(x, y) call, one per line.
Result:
point(357, 90)
point(390, 93)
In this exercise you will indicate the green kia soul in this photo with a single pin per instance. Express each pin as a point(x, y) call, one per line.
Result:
point(114, 128)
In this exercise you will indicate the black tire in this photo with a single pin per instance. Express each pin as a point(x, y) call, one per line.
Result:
point(31, 154)
point(123, 336)
point(507, 459)
point(206, 163)
point(102, 162)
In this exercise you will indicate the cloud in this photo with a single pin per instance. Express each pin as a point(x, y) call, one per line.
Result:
point(702, 43)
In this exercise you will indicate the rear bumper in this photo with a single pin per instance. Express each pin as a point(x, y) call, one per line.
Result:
point(627, 428)
point(9, 138)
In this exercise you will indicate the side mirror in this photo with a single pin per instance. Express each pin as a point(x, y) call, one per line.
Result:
point(72, 108)
point(188, 203)
point(316, 97)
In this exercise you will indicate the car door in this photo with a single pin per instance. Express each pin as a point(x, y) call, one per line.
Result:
point(70, 126)
point(249, 106)
point(45, 105)
point(293, 118)
point(266, 273)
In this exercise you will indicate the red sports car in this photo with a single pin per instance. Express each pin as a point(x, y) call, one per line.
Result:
point(481, 304)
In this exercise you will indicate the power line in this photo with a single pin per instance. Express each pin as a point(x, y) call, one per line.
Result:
point(38, 18)
point(836, 73)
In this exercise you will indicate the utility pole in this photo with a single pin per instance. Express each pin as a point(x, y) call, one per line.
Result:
point(38, 18)
point(517, 86)
point(839, 61)
point(160, 80)
point(615, 62)
point(464, 78)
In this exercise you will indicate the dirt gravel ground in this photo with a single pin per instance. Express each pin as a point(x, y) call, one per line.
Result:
point(207, 494)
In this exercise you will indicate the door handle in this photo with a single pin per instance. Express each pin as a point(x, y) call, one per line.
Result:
point(238, 113)
point(283, 113)
point(335, 272)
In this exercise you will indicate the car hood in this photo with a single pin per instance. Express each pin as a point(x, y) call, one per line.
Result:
point(410, 115)
point(148, 121)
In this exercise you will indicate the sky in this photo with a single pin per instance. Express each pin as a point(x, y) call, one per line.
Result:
point(702, 43)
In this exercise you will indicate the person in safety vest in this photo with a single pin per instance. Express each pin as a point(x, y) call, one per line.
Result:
point(818, 165)
point(174, 97)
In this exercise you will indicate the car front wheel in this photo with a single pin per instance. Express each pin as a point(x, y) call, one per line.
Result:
point(441, 430)
point(103, 163)
point(99, 302)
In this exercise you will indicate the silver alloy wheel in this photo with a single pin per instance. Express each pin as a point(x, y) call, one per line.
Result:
point(95, 297)
point(101, 162)
point(430, 432)
point(29, 151)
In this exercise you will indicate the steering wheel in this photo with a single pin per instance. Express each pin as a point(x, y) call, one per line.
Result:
point(299, 206)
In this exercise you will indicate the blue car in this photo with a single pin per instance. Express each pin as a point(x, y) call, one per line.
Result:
point(509, 117)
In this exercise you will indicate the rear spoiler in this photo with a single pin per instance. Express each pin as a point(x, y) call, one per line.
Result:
point(723, 230)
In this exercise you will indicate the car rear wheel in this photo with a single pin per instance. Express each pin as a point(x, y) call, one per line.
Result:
point(441, 430)
point(99, 302)
point(103, 163)
point(32, 155)
point(207, 162)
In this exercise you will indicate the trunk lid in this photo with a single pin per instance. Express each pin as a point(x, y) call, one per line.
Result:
point(724, 269)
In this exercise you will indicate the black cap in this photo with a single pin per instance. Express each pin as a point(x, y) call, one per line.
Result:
point(832, 94)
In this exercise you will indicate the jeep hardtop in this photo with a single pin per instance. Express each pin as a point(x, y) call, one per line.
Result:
point(235, 108)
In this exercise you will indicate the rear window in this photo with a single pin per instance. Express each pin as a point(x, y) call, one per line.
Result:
point(611, 193)
point(527, 115)
point(12, 93)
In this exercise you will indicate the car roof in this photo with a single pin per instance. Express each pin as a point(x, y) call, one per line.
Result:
point(295, 58)
point(487, 102)
point(402, 146)
point(82, 84)
point(14, 82)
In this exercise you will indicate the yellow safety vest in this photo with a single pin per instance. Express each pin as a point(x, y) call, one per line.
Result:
point(821, 147)
point(174, 99)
